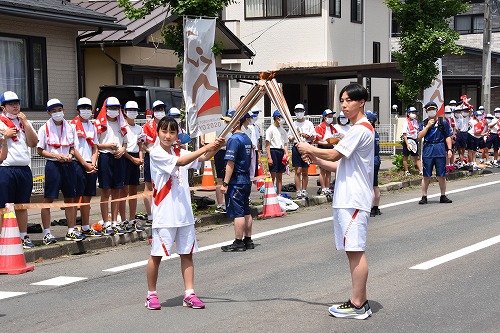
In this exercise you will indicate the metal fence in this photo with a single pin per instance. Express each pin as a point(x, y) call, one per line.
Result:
point(386, 132)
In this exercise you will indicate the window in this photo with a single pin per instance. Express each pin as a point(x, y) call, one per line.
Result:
point(469, 24)
point(335, 8)
point(357, 11)
point(281, 8)
point(23, 69)
point(376, 52)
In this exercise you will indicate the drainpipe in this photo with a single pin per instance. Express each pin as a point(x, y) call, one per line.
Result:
point(80, 65)
point(113, 60)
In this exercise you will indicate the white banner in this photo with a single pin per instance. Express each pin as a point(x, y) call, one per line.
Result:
point(201, 92)
point(435, 92)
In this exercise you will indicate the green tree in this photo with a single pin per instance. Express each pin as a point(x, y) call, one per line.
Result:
point(425, 37)
point(173, 34)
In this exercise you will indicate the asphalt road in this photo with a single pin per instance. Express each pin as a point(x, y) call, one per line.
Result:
point(287, 283)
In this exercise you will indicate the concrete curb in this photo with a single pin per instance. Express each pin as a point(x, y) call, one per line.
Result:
point(65, 248)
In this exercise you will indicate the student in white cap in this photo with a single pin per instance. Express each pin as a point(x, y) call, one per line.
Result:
point(15, 172)
point(307, 134)
point(324, 132)
point(85, 161)
point(112, 131)
point(410, 143)
point(56, 140)
point(134, 158)
point(277, 150)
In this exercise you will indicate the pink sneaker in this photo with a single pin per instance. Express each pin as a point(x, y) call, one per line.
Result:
point(152, 302)
point(192, 301)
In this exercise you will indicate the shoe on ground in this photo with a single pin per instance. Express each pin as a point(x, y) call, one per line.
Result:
point(149, 223)
point(220, 209)
point(108, 231)
point(192, 301)
point(137, 227)
point(348, 310)
point(49, 239)
point(423, 201)
point(421, 173)
point(407, 173)
point(234, 247)
point(299, 195)
point(141, 216)
point(373, 213)
point(127, 227)
point(118, 230)
point(378, 212)
point(91, 233)
point(73, 236)
point(152, 302)
point(444, 199)
point(27, 243)
point(305, 195)
point(249, 245)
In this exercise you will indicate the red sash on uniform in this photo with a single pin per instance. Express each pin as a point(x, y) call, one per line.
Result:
point(80, 131)
point(149, 129)
point(321, 129)
point(10, 124)
point(158, 196)
point(101, 123)
point(66, 139)
point(411, 129)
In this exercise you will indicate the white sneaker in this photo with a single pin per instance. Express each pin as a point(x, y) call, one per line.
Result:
point(304, 194)
point(407, 173)
point(299, 195)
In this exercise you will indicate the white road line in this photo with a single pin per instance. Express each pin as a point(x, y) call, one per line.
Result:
point(458, 253)
point(59, 281)
point(292, 227)
point(218, 245)
point(8, 294)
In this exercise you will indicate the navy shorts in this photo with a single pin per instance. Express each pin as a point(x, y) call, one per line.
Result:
point(110, 171)
point(473, 142)
point(132, 171)
point(429, 162)
point(461, 141)
point(376, 168)
point(492, 141)
point(85, 182)
point(297, 160)
point(277, 156)
point(237, 200)
point(220, 164)
point(59, 177)
point(407, 152)
point(16, 183)
point(147, 168)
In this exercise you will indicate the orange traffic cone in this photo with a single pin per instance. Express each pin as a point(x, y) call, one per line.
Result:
point(207, 181)
point(312, 171)
point(259, 176)
point(12, 259)
point(271, 205)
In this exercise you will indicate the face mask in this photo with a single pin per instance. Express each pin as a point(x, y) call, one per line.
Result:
point(178, 120)
point(343, 121)
point(10, 115)
point(300, 115)
point(159, 114)
point(447, 115)
point(465, 114)
point(431, 114)
point(458, 115)
point(413, 116)
point(329, 120)
point(112, 113)
point(85, 113)
point(254, 120)
point(497, 114)
point(57, 116)
point(282, 121)
point(132, 114)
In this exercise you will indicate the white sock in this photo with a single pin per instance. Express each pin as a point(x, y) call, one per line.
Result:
point(46, 231)
point(151, 292)
point(113, 224)
point(22, 234)
point(70, 230)
point(188, 292)
point(85, 227)
point(107, 224)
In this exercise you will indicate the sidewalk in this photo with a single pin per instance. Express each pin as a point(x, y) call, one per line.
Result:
point(62, 247)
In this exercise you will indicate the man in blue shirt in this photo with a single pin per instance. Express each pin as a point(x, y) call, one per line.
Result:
point(237, 186)
point(437, 146)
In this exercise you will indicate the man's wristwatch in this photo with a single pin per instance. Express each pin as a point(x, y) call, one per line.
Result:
point(225, 184)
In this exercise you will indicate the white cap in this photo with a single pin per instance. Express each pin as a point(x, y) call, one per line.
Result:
point(52, 103)
point(84, 101)
point(255, 109)
point(131, 105)
point(158, 103)
point(112, 101)
point(300, 106)
point(174, 112)
point(497, 110)
point(453, 102)
point(488, 115)
point(327, 112)
point(481, 108)
point(9, 96)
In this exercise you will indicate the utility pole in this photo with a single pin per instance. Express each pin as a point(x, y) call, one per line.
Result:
point(486, 86)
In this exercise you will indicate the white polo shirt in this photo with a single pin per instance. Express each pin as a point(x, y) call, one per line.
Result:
point(112, 135)
point(81, 143)
point(276, 137)
point(19, 153)
point(133, 133)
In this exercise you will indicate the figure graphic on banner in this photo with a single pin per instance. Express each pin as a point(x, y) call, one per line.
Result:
point(437, 93)
point(202, 79)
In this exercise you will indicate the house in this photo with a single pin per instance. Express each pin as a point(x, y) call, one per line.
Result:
point(316, 47)
point(137, 56)
point(39, 48)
